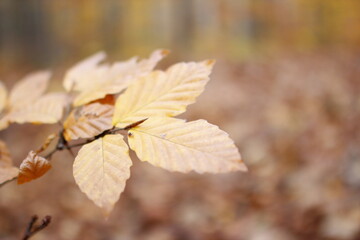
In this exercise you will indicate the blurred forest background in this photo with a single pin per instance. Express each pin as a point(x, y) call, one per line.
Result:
point(286, 87)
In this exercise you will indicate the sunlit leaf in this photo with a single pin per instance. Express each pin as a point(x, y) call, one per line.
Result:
point(33, 167)
point(101, 169)
point(182, 146)
point(111, 79)
point(162, 93)
point(88, 121)
point(29, 89)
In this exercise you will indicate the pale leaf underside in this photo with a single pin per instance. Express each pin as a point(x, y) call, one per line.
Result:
point(162, 93)
point(182, 146)
point(101, 169)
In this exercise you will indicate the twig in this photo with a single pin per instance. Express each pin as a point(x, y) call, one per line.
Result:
point(2, 184)
point(49, 155)
point(31, 230)
point(63, 144)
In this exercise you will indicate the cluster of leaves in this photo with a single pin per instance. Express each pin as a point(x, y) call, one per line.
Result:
point(98, 115)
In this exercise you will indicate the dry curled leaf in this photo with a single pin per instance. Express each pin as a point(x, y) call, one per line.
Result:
point(182, 146)
point(100, 80)
point(7, 170)
point(162, 93)
point(101, 169)
point(33, 167)
point(88, 121)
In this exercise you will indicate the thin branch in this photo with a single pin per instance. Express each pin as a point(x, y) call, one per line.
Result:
point(8, 181)
point(49, 155)
point(30, 226)
point(31, 230)
point(63, 144)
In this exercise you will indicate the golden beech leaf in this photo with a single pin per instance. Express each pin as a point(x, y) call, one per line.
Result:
point(88, 121)
point(78, 76)
point(7, 170)
point(101, 169)
point(162, 93)
point(47, 109)
point(3, 96)
point(33, 167)
point(112, 79)
point(29, 89)
point(176, 145)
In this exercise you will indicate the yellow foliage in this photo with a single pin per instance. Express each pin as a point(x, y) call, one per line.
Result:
point(182, 146)
point(162, 93)
point(101, 169)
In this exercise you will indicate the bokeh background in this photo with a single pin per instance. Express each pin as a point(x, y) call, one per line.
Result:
point(286, 87)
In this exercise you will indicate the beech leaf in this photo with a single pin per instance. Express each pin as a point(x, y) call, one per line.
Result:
point(176, 145)
point(88, 121)
point(101, 169)
point(162, 93)
point(111, 79)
